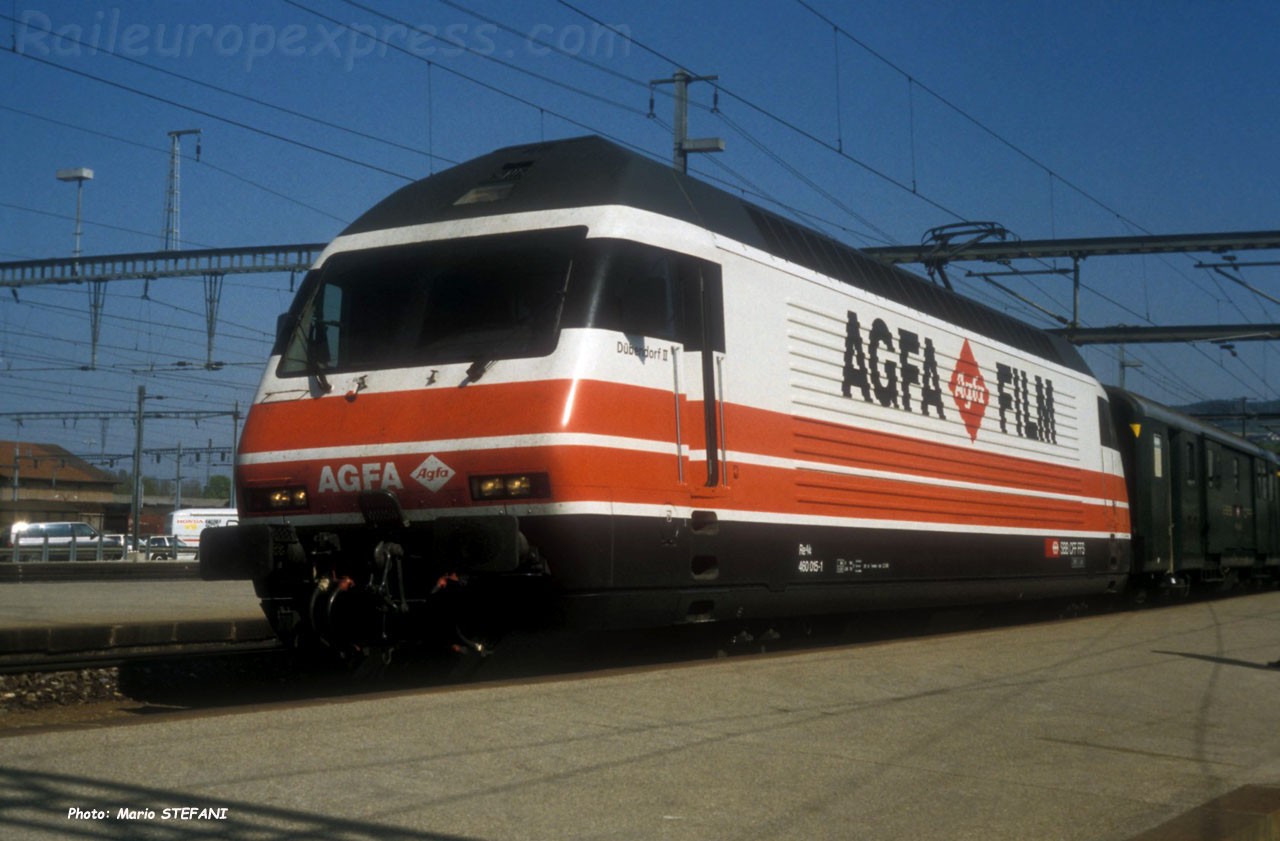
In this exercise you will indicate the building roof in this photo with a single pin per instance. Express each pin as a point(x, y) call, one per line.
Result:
point(48, 463)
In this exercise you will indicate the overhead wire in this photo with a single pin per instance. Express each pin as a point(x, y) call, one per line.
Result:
point(93, 222)
point(838, 150)
point(472, 79)
point(791, 126)
point(69, 40)
point(218, 117)
point(1000, 138)
point(485, 55)
point(963, 113)
point(204, 162)
point(542, 110)
point(241, 124)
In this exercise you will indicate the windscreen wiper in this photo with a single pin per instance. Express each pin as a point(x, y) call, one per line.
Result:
point(313, 368)
point(311, 359)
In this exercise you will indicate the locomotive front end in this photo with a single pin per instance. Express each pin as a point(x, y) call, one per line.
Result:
point(399, 439)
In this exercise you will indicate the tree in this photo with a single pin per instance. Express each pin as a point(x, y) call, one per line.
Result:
point(218, 487)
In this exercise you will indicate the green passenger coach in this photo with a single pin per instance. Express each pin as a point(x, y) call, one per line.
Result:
point(1203, 503)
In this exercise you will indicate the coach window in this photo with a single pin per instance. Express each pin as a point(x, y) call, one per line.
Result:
point(1211, 467)
point(1191, 463)
point(1235, 473)
point(1157, 455)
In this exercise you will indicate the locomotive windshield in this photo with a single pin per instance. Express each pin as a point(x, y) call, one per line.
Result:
point(469, 300)
point(483, 299)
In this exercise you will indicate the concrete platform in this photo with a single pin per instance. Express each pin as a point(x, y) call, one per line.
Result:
point(65, 617)
point(1250, 813)
point(1158, 724)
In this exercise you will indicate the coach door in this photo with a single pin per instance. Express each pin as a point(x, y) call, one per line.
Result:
point(1187, 503)
point(1160, 502)
point(1264, 495)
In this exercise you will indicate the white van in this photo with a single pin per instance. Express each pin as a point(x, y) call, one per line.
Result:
point(186, 524)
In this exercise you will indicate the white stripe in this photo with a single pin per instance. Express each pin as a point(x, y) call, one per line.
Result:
point(608, 220)
point(957, 484)
point(604, 508)
point(454, 445)
point(644, 445)
point(773, 518)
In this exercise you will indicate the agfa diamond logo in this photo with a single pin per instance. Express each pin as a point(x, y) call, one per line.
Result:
point(969, 390)
point(433, 474)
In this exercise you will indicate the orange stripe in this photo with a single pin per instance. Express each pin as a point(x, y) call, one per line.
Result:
point(445, 413)
point(488, 410)
point(595, 474)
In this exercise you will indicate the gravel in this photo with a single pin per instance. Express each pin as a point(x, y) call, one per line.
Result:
point(38, 690)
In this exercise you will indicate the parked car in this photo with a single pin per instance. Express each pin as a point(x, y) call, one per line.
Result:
point(62, 542)
point(167, 547)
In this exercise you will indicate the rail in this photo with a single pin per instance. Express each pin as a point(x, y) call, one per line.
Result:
point(28, 663)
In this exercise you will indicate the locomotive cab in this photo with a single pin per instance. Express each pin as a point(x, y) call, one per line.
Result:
point(434, 408)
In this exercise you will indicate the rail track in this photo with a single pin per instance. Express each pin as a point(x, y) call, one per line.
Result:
point(115, 657)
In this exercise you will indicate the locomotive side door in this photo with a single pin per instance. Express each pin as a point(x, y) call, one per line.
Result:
point(700, 429)
point(668, 306)
point(699, 375)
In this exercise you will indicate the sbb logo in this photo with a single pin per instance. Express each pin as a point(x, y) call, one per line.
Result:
point(1058, 548)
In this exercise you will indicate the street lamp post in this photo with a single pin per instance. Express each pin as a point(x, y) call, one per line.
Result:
point(79, 175)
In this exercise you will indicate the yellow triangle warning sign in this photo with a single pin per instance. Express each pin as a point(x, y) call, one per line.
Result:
point(1137, 429)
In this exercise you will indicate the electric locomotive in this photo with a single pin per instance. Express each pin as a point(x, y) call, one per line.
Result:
point(562, 383)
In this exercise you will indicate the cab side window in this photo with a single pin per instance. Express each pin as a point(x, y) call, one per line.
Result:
point(644, 291)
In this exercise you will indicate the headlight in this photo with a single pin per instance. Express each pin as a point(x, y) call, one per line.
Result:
point(292, 498)
point(518, 486)
point(510, 486)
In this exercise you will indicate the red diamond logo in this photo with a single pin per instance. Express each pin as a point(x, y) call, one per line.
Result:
point(969, 390)
point(433, 474)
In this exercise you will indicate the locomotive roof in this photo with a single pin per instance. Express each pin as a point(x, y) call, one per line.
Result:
point(592, 171)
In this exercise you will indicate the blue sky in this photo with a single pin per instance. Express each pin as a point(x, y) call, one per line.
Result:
point(1054, 119)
